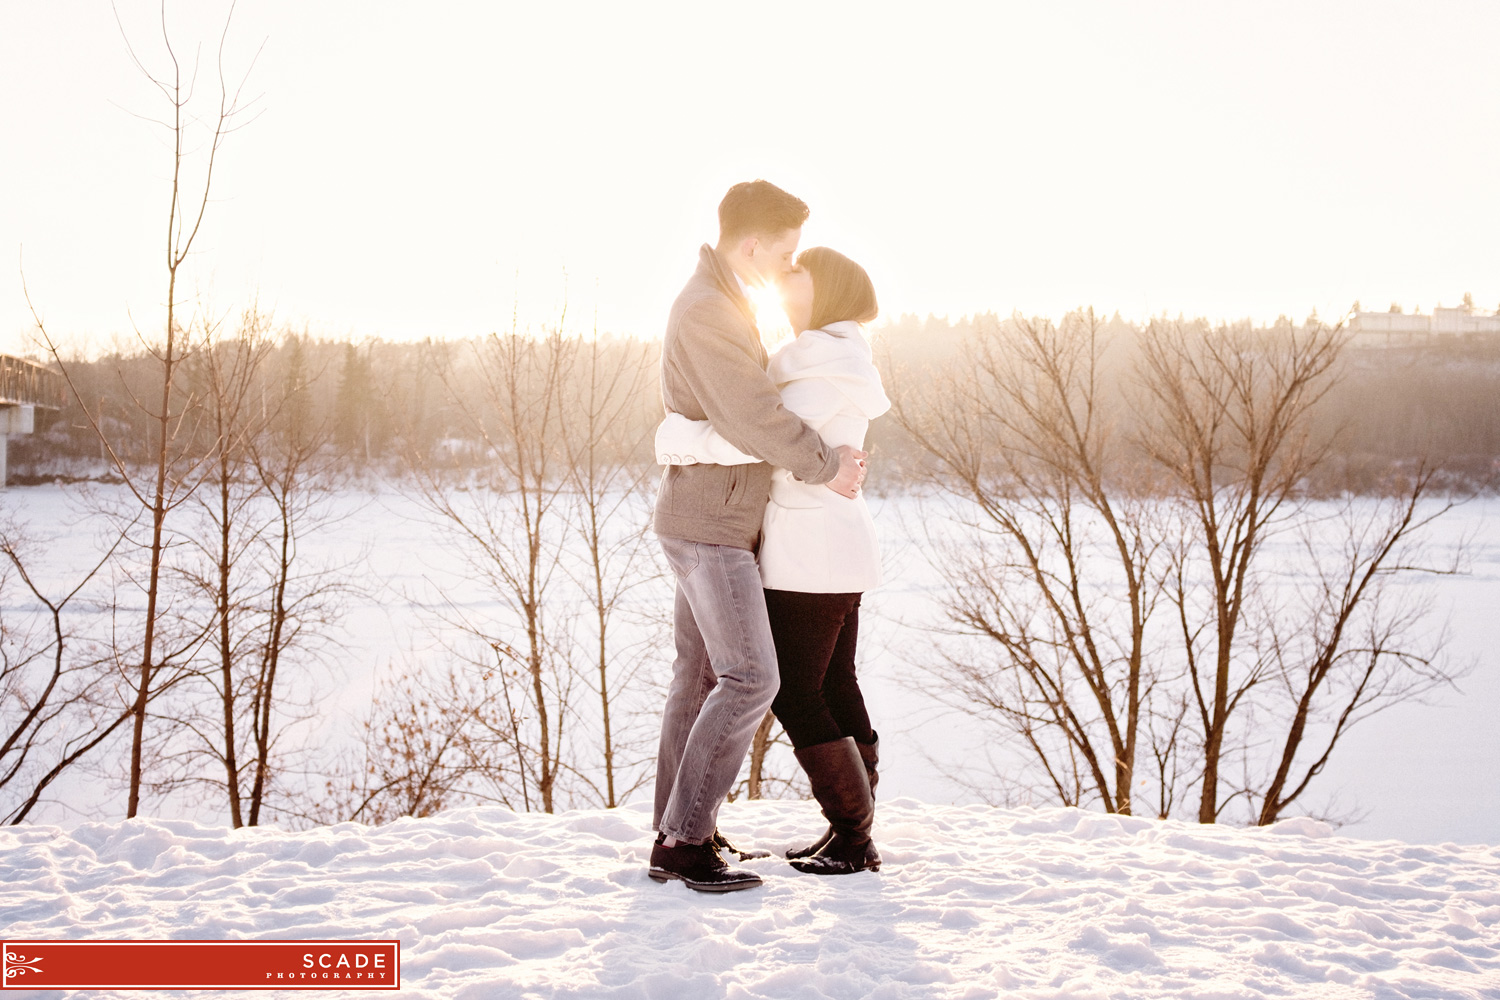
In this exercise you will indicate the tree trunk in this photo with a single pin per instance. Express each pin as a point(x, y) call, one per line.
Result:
point(758, 747)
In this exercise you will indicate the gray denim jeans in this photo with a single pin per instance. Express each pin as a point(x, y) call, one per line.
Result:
point(723, 681)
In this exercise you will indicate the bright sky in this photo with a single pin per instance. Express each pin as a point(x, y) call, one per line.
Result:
point(418, 169)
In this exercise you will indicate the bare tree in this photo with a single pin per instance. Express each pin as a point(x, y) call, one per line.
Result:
point(508, 525)
point(292, 468)
point(226, 372)
point(415, 757)
point(54, 697)
point(438, 739)
point(1229, 427)
point(540, 481)
point(1061, 582)
point(760, 745)
point(263, 493)
point(771, 771)
point(169, 478)
point(603, 435)
point(1081, 510)
point(1358, 645)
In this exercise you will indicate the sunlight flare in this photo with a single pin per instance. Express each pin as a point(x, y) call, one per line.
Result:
point(770, 316)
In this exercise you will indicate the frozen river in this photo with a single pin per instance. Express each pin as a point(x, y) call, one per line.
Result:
point(1421, 773)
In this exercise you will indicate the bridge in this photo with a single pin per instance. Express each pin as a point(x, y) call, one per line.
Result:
point(24, 386)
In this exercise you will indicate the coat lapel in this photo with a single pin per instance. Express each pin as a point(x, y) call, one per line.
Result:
point(712, 266)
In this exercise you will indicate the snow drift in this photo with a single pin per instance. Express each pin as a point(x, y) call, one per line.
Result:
point(973, 902)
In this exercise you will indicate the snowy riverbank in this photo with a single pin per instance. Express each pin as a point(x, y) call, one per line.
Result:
point(973, 903)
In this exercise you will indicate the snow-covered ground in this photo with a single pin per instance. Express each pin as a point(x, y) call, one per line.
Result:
point(973, 902)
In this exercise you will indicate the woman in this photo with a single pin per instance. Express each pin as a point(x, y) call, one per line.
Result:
point(818, 550)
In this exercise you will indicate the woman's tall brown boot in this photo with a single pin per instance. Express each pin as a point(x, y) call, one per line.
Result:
point(870, 754)
point(842, 787)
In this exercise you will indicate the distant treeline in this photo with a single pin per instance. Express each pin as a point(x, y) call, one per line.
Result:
point(1385, 412)
point(380, 402)
point(377, 404)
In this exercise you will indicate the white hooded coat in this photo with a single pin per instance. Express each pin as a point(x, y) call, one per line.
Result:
point(813, 540)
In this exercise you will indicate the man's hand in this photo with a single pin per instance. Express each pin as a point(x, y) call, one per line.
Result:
point(851, 472)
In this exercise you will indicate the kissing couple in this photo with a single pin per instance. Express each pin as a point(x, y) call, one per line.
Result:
point(761, 518)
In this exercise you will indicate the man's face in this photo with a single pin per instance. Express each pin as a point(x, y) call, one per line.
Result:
point(797, 298)
point(771, 256)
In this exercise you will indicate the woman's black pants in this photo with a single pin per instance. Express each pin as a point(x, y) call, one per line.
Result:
point(815, 637)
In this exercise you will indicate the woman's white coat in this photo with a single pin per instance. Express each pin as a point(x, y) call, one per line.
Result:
point(813, 540)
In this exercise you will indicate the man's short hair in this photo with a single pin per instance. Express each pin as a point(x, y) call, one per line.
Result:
point(759, 208)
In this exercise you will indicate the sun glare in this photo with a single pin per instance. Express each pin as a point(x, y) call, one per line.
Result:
point(770, 317)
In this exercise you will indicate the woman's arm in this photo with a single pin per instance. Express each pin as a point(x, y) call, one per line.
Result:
point(680, 441)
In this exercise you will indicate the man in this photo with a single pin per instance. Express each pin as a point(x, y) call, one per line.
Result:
point(708, 518)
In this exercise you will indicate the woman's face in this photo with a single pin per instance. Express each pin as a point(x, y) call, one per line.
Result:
point(797, 298)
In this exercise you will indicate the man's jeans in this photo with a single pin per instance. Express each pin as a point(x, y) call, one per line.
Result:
point(723, 681)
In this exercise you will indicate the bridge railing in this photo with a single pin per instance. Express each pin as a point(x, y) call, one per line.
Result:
point(26, 382)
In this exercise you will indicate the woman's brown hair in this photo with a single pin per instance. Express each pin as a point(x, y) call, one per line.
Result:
point(841, 288)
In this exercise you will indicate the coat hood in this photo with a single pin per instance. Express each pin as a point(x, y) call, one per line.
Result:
point(840, 354)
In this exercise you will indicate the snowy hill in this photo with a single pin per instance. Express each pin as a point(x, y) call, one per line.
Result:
point(973, 902)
